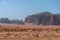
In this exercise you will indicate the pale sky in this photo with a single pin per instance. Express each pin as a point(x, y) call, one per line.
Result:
point(19, 9)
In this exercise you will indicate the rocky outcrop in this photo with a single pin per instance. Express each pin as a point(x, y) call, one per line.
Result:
point(45, 18)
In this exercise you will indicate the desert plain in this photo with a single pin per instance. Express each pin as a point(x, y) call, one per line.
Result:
point(29, 32)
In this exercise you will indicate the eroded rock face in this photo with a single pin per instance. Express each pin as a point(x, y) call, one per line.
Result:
point(45, 18)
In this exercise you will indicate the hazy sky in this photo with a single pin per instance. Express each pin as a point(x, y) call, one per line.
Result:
point(19, 9)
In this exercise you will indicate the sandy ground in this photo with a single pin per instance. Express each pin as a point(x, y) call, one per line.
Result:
point(29, 32)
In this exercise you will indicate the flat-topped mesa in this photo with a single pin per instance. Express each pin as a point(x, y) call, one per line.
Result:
point(45, 18)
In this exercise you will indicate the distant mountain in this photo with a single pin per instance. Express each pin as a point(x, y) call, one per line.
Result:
point(6, 20)
point(44, 18)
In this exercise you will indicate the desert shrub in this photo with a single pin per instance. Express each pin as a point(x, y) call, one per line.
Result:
point(5, 29)
point(1, 30)
point(49, 39)
point(23, 29)
point(57, 30)
point(0, 26)
point(8, 34)
point(37, 35)
point(39, 30)
point(33, 29)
